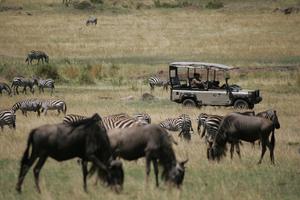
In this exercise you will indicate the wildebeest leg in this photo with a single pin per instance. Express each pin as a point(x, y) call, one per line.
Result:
point(23, 171)
point(36, 171)
point(263, 150)
point(84, 173)
point(238, 151)
point(155, 166)
point(231, 150)
point(271, 149)
point(148, 167)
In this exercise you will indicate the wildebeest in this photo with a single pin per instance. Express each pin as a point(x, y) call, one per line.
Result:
point(23, 82)
point(152, 142)
point(4, 86)
point(87, 140)
point(91, 20)
point(36, 55)
point(235, 127)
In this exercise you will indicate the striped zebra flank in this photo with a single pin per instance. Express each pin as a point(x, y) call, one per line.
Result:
point(4, 86)
point(201, 122)
point(23, 82)
point(143, 117)
point(158, 82)
point(121, 121)
point(28, 105)
point(7, 117)
point(46, 83)
point(54, 104)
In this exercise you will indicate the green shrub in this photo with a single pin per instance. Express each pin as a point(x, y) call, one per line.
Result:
point(47, 71)
point(214, 5)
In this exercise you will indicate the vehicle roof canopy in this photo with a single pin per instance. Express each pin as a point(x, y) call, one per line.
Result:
point(200, 65)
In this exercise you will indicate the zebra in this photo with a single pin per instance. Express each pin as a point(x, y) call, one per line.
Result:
point(28, 105)
point(142, 117)
point(73, 119)
point(46, 83)
point(211, 126)
point(91, 20)
point(7, 117)
point(121, 120)
point(52, 104)
point(156, 81)
point(23, 82)
point(182, 123)
point(201, 122)
point(4, 86)
point(37, 55)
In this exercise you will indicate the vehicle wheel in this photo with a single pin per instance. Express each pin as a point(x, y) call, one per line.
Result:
point(189, 103)
point(241, 104)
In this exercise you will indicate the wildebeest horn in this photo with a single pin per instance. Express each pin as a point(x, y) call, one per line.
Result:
point(96, 117)
point(182, 163)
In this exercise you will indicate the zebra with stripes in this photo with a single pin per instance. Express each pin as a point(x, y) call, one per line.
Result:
point(54, 104)
point(201, 121)
point(7, 117)
point(142, 117)
point(23, 82)
point(121, 120)
point(46, 83)
point(4, 86)
point(31, 105)
point(158, 82)
point(183, 124)
point(37, 55)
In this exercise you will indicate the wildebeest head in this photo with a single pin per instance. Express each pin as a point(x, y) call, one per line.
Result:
point(219, 148)
point(115, 177)
point(176, 175)
point(46, 58)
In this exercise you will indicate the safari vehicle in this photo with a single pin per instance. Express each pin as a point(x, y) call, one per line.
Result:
point(209, 92)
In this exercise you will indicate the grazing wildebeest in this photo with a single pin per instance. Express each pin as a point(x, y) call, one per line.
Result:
point(86, 139)
point(37, 55)
point(152, 142)
point(91, 20)
point(235, 127)
point(23, 82)
point(211, 124)
point(4, 86)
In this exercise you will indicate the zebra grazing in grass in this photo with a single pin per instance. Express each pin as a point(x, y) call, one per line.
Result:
point(182, 123)
point(52, 104)
point(7, 117)
point(91, 20)
point(156, 81)
point(201, 121)
point(142, 117)
point(23, 82)
point(4, 86)
point(31, 105)
point(121, 120)
point(37, 55)
point(211, 127)
point(46, 83)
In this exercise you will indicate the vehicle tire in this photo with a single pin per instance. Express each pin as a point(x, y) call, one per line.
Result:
point(189, 103)
point(241, 104)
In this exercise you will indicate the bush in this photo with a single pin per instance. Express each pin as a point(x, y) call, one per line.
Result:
point(71, 72)
point(97, 1)
point(85, 76)
point(47, 71)
point(9, 72)
point(83, 5)
point(214, 5)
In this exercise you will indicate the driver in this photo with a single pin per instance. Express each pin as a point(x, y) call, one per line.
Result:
point(196, 82)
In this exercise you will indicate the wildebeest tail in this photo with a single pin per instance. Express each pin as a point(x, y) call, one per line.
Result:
point(26, 156)
point(273, 138)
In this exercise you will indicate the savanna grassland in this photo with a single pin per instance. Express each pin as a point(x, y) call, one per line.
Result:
point(96, 66)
